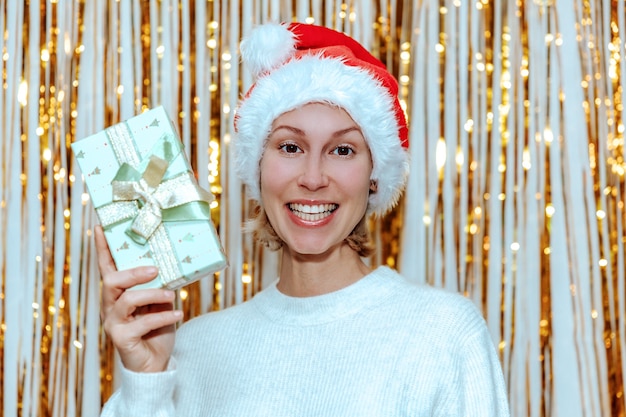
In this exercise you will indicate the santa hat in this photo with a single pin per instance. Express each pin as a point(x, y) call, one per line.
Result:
point(298, 64)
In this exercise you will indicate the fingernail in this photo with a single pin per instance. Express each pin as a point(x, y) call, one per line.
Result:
point(178, 314)
point(151, 270)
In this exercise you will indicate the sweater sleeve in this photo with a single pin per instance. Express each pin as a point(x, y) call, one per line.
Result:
point(143, 394)
point(480, 390)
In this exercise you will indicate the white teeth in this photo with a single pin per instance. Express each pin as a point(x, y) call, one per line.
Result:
point(312, 213)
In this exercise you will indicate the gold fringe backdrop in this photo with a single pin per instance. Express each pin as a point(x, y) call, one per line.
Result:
point(516, 195)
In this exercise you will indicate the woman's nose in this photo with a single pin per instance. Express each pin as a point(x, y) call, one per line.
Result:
point(313, 175)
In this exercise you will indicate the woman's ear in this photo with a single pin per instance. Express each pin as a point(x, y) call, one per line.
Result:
point(373, 186)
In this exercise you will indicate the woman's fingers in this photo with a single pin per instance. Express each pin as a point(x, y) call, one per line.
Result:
point(141, 325)
point(134, 303)
point(114, 284)
point(145, 344)
point(152, 321)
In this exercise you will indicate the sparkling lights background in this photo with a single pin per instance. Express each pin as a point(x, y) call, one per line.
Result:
point(516, 196)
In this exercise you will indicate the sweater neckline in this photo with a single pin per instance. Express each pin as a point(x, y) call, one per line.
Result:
point(307, 311)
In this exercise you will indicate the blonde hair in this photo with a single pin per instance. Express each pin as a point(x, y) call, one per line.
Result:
point(259, 225)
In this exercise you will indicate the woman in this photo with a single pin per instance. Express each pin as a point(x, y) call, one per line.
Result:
point(321, 145)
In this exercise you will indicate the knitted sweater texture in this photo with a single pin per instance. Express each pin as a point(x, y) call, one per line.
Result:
point(380, 347)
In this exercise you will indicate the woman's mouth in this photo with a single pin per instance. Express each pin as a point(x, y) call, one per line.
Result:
point(312, 213)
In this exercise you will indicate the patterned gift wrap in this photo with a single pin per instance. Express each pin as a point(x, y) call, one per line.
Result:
point(148, 201)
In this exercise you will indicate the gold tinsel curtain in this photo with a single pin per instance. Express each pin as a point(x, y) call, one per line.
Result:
point(516, 195)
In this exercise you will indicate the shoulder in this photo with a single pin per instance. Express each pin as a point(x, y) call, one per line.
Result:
point(424, 306)
point(426, 296)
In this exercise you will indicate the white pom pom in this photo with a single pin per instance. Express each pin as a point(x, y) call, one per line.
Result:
point(266, 47)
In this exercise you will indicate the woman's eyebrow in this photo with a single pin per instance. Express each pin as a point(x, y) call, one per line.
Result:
point(289, 128)
point(343, 132)
point(301, 132)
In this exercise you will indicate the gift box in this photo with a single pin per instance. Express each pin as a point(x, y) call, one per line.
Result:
point(148, 201)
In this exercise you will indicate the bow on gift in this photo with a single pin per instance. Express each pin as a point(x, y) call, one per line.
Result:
point(154, 198)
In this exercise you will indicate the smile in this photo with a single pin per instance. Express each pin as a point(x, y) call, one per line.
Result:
point(312, 213)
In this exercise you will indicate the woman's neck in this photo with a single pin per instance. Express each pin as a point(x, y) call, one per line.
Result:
point(310, 275)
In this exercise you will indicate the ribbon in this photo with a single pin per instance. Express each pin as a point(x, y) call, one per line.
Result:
point(146, 196)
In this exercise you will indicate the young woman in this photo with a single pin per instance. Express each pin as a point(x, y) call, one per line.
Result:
point(321, 145)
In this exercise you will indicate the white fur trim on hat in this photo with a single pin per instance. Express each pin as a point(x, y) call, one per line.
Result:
point(314, 78)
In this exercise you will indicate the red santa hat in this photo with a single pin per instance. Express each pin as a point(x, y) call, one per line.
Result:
point(297, 64)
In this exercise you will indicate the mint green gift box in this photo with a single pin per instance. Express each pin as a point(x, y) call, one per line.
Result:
point(148, 201)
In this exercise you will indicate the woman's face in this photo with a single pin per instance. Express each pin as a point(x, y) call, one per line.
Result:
point(315, 178)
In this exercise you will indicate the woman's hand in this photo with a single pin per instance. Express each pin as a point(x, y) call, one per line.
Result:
point(139, 322)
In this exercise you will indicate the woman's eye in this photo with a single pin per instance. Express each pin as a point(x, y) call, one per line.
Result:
point(343, 151)
point(289, 148)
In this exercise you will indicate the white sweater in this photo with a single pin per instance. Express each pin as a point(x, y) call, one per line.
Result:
point(380, 347)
